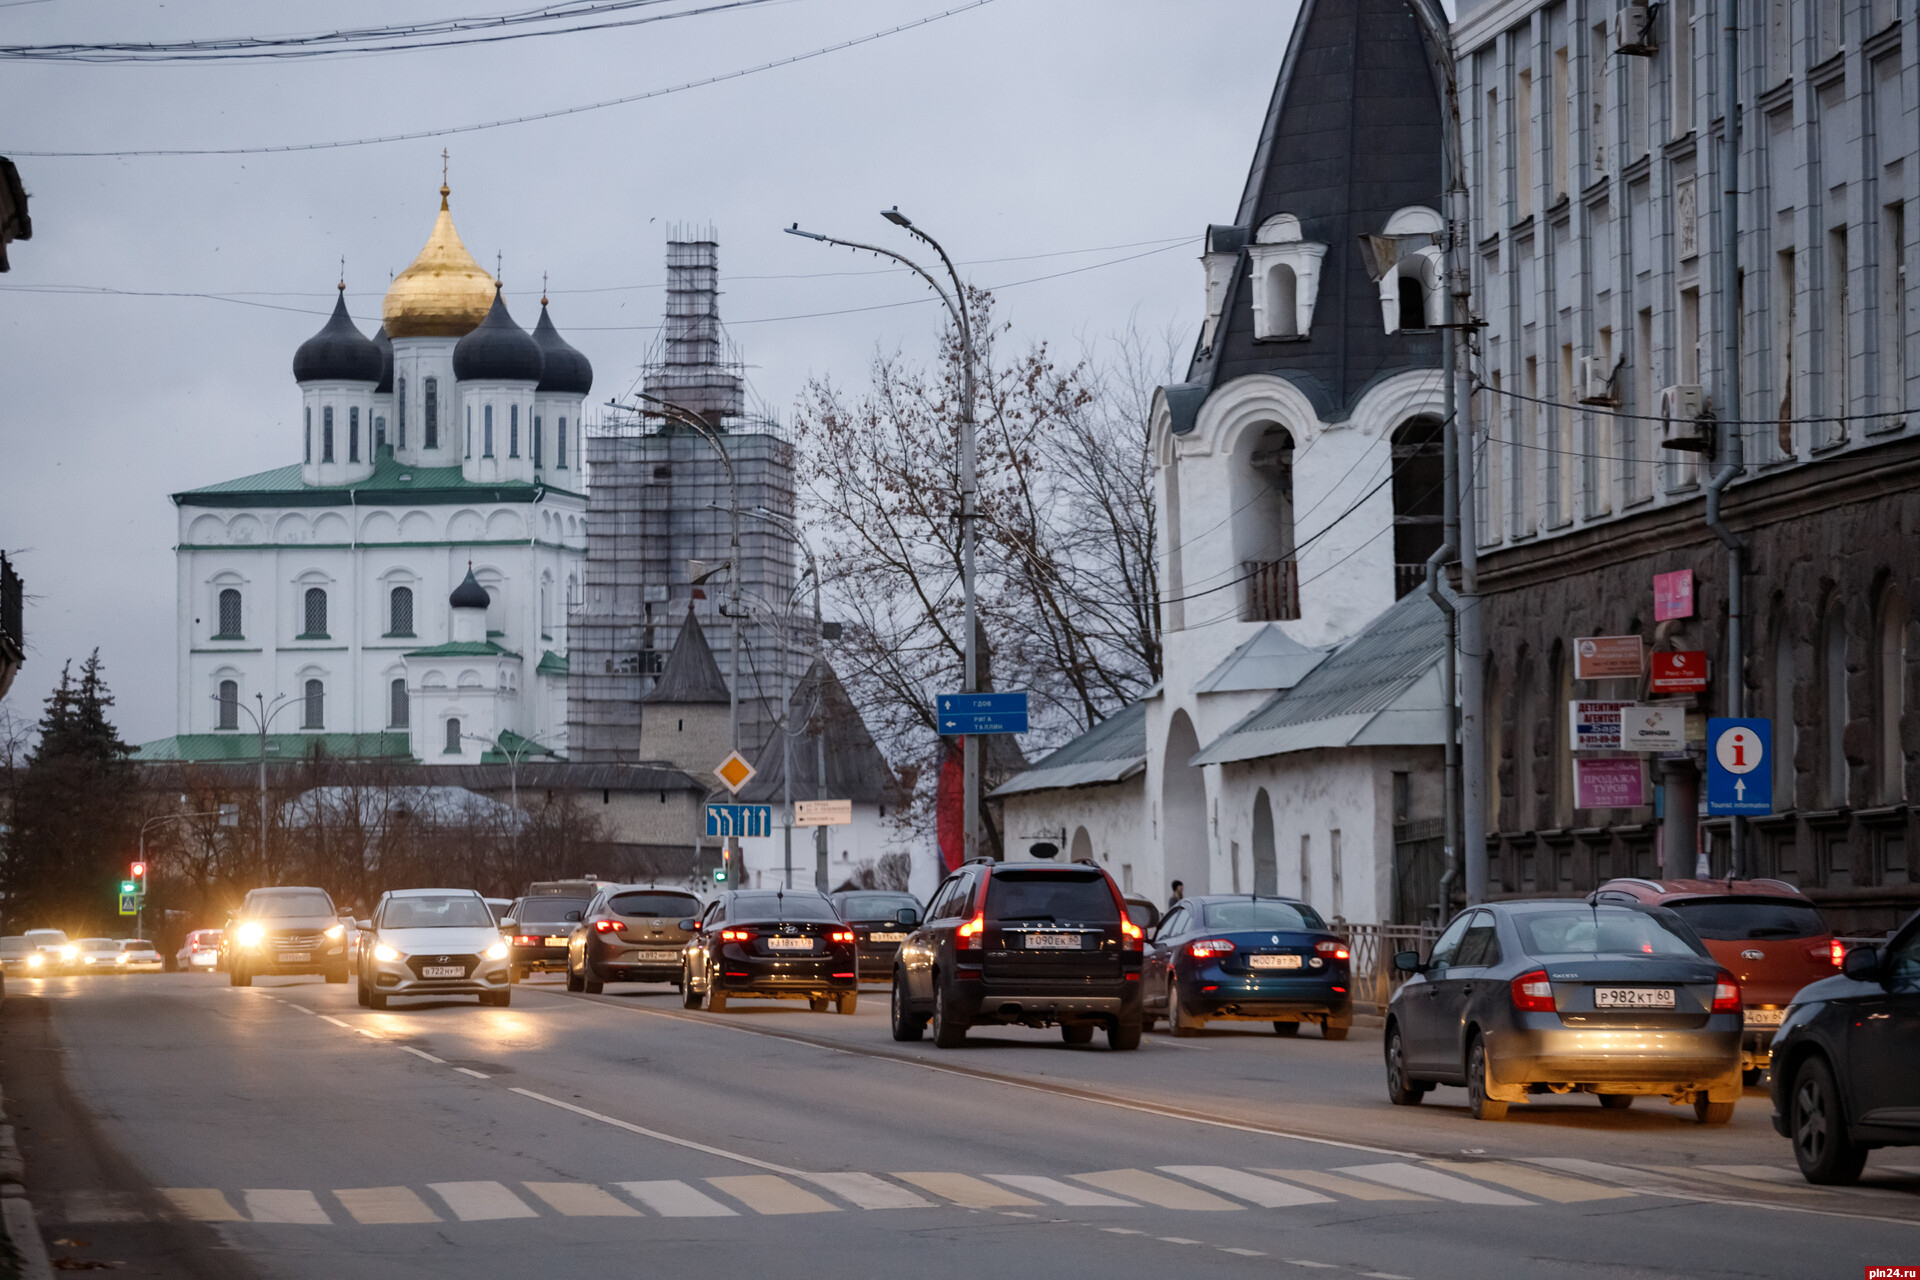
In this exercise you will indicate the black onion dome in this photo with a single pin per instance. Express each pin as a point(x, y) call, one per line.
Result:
point(498, 351)
point(566, 370)
point(382, 341)
point(338, 353)
point(470, 594)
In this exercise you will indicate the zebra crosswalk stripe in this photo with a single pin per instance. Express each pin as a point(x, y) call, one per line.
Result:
point(1535, 1182)
point(285, 1206)
point(1431, 1182)
point(672, 1199)
point(381, 1206)
point(202, 1205)
point(482, 1201)
point(767, 1194)
point(1265, 1192)
point(580, 1200)
point(967, 1191)
point(1059, 1192)
point(869, 1191)
point(1155, 1189)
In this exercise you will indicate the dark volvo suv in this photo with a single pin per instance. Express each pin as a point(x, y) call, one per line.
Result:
point(1022, 945)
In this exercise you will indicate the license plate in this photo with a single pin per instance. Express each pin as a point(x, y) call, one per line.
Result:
point(790, 944)
point(1274, 962)
point(656, 957)
point(556, 942)
point(886, 937)
point(1765, 1017)
point(443, 971)
point(296, 957)
point(1633, 997)
point(1053, 942)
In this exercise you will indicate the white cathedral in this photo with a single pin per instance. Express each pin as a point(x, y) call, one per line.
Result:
point(403, 589)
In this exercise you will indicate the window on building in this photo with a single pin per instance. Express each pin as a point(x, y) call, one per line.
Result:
point(1679, 55)
point(1526, 461)
point(513, 431)
point(1893, 314)
point(1419, 472)
point(1560, 163)
point(353, 434)
point(326, 434)
point(560, 444)
point(1494, 742)
point(229, 603)
point(1838, 330)
point(469, 452)
point(1264, 526)
point(486, 432)
point(1492, 501)
point(1786, 309)
point(432, 388)
point(1637, 447)
point(315, 710)
point(1413, 303)
point(1523, 145)
point(400, 411)
point(1334, 879)
point(453, 737)
point(1599, 56)
point(1684, 468)
point(1638, 116)
point(1283, 301)
point(397, 705)
point(1493, 184)
point(536, 439)
point(1566, 463)
point(1893, 695)
point(1604, 435)
point(1829, 27)
point(379, 434)
point(400, 611)
point(309, 422)
point(1833, 674)
point(1779, 41)
point(229, 704)
point(315, 613)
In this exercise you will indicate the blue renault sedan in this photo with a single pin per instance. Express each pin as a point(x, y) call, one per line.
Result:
point(1248, 958)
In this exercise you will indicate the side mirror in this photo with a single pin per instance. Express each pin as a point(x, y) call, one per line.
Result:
point(1862, 964)
point(690, 925)
point(507, 924)
point(364, 926)
point(907, 916)
point(1407, 961)
point(574, 917)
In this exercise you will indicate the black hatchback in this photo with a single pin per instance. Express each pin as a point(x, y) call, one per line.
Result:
point(770, 944)
point(1844, 1073)
point(1022, 945)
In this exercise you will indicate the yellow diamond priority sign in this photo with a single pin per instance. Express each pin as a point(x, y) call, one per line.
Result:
point(734, 771)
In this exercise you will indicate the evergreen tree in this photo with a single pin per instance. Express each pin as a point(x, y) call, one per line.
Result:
point(74, 810)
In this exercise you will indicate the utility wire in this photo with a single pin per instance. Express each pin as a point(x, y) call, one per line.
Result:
point(1601, 411)
point(521, 119)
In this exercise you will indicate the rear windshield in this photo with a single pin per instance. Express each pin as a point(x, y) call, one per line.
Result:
point(1741, 919)
point(136, 944)
point(435, 911)
point(1262, 915)
point(662, 905)
point(876, 906)
point(282, 906)
point(1602, 930)
point(792, 906)
point(547, 910)
point(1051, 896)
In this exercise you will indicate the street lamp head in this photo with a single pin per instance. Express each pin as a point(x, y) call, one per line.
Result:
point(795, 230)
point(896, 217)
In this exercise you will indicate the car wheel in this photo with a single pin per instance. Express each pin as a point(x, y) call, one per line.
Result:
point(1401, 1090)
point(376, 999)
point(716, 1001)
point(360, 993)
point(1123, 1035)
point(819, 1004)
point(574, 981)
point(689, 998)
point(1483, 1107)
point(521, 975)
point(1180, 1021)
point(1286, 1028)
point(906, 1026)
point(1706, 1111)
point(1334, 1030)
point(1077, 1032)
point(501, 999)
point(1827, 1156)
point(947, 1033)
point(1616, 1101)
point(847, 1003)
point(590, 982)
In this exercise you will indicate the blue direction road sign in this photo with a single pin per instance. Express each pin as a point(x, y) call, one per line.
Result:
point(965, 713)
point(739, 819)
point(1739, 766)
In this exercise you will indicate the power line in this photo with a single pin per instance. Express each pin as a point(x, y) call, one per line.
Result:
point(1600, 411)
point(521, 119)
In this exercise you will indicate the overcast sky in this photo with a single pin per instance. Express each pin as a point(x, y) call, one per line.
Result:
point(1020, 128)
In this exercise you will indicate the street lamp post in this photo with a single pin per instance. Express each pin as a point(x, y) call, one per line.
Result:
point(261, 719)
point(515, 757)
point(956, 304)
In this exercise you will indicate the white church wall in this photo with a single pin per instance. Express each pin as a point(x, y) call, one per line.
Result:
point(1107, 823)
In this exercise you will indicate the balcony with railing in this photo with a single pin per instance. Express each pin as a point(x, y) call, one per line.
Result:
point(1272, 590)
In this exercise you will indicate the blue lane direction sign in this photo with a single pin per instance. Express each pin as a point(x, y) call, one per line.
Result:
point(739, 819)
point(966, 713)
point(1739, 766)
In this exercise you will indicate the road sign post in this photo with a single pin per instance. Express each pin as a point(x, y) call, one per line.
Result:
point(1739, 766)
point(966, 714)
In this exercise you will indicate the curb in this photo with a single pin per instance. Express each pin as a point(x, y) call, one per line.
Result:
point(16, 1214)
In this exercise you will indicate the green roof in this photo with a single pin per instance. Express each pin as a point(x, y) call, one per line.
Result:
point(282, 748)
point(464, 649)
point(283, 486)
point(510, 747)
point(552, 664)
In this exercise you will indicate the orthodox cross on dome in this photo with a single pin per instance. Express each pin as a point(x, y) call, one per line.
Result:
point(445, 190)
point(343, 273)
point(497, 256)
point(543, 288)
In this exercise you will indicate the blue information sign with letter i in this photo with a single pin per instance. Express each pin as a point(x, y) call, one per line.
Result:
point(1739, 766)
point(966, 713)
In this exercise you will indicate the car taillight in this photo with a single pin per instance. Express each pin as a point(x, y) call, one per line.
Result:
point(1835, 951)
point(608, 926)
point(526, 940)
point(737, 935)
point(1134, 938)
point(967, 936)
point(1332, 947)
point(842, 935)
point(1209, 947)
point(1532, 993)
point(1726, 993)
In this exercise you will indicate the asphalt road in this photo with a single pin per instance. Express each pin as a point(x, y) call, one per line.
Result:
point(181, 1127)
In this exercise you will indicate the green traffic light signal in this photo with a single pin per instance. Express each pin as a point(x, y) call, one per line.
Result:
point(128, 886)
point(719, 875)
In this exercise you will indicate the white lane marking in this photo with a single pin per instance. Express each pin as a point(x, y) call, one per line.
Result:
point(469, 1071)
point(868, 1191)
point(1178, 1240)
point(1123, 1231)
point(202, 1204)
point(482, 1201)
point(965, 1190)
point(103, 1206)
point(1385, 1275)
point(302, 1008)
point(1245, 1253)
point(1138, 1184)
point(655, 1134)
point(376, 1206)
point(1058, 1191)
point(581, 1200)
point(1265, 1192)
point(1548, 1186)
point(422, 1053)
point(676, 1200)
point(285, 1206)
point(371, 1035)
point(335, 1021)
point(1431, 1182)
point(764, 1193)
point(1302, 1262)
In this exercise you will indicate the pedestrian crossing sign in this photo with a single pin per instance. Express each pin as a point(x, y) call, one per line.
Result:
point(129, 904)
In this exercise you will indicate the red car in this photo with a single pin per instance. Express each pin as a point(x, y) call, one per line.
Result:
point(1766, 932)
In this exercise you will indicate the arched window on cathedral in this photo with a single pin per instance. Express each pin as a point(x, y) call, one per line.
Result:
point(513, 431)
point(229, 615)
point(486, 432)
point(1419, 475)
point(326, 434)
point(400, 411)
point(400, 611)
point(315, 603)
point(397, 705)
point(433, 413)
point(453, 737)
point(560, 444)
point(229, 704)
point(379, 434)
point(353, 434)
point(315, 711)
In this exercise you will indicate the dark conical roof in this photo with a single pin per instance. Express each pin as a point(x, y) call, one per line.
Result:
point(470, 594)
point(691, 675)
point(339, 352)
point(382, 341)
point(498, 351)
point(565, 370)
point(856, 770)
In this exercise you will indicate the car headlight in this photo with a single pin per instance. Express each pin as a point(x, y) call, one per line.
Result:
point(498, 951)
point(250, 934)
point(35, 960)
point(68, 953)
point(384, 953)
point(124, 957)
point(337, 932)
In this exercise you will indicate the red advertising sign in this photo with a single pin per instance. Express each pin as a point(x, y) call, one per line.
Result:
point(1612, 783)
point(1673, 595)
point(1678, 672)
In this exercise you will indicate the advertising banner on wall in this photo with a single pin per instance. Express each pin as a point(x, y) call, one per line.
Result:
point(1615, 783)
point(1655, 728)
point(1607, 658)
point(1594, 726)
point(1673, 595)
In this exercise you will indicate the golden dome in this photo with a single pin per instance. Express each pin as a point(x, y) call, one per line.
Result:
point(444, 294)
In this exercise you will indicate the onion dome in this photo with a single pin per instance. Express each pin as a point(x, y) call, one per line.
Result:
point(470, 594)
point(566, 371)
point(498, 351)
point(382, 341)
point(339, 352)
point(444, 294)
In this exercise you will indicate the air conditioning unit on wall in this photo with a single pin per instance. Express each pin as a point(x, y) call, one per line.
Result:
point(1595, 381)
point(1683, 419)
point(1633, 29)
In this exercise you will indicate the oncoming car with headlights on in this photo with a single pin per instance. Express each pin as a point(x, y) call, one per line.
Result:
point(433, 942)
point(291, 930)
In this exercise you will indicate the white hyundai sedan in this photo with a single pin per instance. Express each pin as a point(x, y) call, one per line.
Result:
point(432, 942)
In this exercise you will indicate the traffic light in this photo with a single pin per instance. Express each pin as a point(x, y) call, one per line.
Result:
point(140, 877)
point(720, 875)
